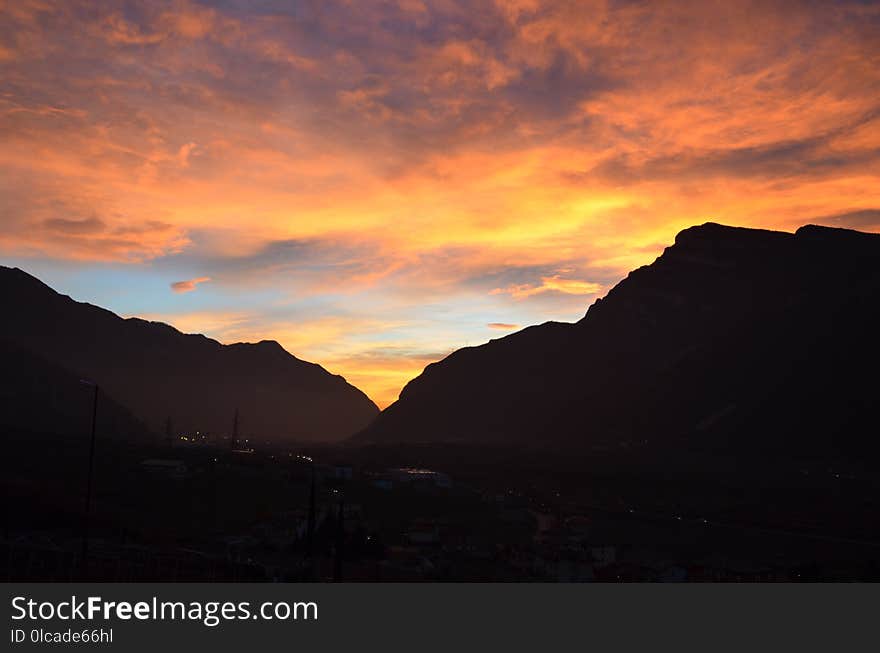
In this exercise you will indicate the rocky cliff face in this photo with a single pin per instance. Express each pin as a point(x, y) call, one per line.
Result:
point(158, 372)
point(731, 337)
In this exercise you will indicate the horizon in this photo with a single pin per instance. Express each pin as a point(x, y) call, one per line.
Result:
point(380, 405)
point(376, 186)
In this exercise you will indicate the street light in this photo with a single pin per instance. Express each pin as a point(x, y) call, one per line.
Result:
point(85, 534)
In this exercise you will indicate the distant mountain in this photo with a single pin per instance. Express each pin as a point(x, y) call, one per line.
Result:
point(158, 372)
point(732, 338)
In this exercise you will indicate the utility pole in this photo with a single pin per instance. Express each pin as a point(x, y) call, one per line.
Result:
point(235, 431)
point(88, 510)
point(310, 525)
point(340, 542)
point(169, 440)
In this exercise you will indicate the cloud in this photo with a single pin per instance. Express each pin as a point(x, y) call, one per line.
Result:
point(189, 285)
point(216, 324)
point(863, 219)
point(75, 227)
point(503, 326)
point(185, 151)
point(553, 283)
point(436, 163)
point(805, 158)
point(385, 369)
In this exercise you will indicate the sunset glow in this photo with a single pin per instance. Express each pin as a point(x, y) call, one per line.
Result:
point(376, 184)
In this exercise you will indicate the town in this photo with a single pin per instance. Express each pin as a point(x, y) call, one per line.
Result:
point(198, 507)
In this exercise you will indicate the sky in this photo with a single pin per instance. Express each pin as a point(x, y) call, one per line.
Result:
point(376, 184)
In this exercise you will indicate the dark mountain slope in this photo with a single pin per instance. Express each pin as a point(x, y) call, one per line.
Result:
point(158, 372)
point(40, 397)
point(733, 337)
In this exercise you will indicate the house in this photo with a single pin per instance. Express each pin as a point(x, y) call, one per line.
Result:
point(417, 476)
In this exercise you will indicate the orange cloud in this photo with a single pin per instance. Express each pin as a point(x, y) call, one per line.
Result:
point(381, 176)
point(189, 285)
point(553, 283)
point(383, 375)
point(185, 151)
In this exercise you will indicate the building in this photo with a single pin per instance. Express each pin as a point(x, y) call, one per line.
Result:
point(420, 476)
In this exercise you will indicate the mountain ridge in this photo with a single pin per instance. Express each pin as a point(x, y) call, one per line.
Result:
point(159, 372)
point(722, 317)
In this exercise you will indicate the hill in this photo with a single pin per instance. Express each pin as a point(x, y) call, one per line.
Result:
point(158, 372)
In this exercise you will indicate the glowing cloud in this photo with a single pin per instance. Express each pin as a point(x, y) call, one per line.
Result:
point(189, 285)
point(377, 182)
point(553, 283)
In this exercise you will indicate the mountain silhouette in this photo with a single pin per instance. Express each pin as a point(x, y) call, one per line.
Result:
point(158, 372)
point(41, 397)
point(732, 338)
